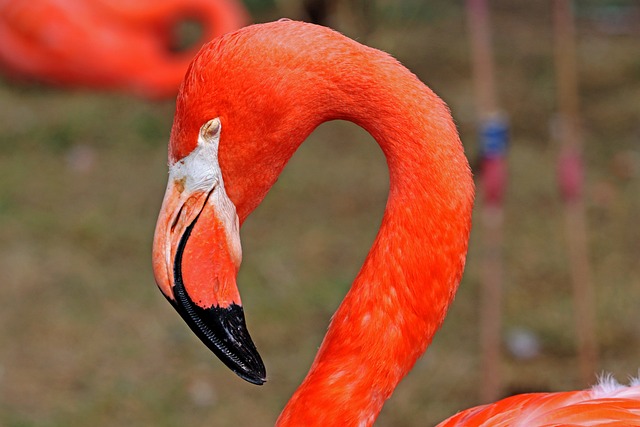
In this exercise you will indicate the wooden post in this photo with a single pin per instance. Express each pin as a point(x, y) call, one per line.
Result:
point(570, 179)
point(493, 143)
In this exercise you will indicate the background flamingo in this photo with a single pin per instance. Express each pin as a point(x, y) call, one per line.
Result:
point(247, 103)
point(108, 44)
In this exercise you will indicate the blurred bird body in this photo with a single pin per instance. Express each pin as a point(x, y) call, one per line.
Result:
point(248, 101)
point(107, 44)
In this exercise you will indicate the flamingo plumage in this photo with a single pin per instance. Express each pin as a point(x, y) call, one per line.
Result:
point(107, 44)
point(248, 101)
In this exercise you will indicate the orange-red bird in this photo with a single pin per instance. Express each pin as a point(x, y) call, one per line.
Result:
point(248, 101)
point(107, 44)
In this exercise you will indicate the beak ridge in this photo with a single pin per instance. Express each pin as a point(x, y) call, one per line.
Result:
point(222, 329)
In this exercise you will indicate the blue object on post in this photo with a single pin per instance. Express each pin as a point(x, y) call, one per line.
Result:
point(494, 137)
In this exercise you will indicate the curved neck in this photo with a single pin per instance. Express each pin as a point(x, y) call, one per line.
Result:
point(409, 278)
point(295, 76)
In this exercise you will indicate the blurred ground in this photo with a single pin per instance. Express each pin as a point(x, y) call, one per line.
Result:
point(86, 338)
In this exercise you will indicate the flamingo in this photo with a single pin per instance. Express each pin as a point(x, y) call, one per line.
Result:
point(249, 99)
point(107, 44)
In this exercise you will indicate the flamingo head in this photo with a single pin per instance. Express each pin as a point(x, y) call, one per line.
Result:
point(236, 119)
point(197, 253)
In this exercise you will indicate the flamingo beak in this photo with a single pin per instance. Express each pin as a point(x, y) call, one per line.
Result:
point(196, 256)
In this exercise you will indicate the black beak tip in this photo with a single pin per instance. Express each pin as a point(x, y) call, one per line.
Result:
point(222, 329)
point(239, 351)
point(257, 376)
point(224, 332)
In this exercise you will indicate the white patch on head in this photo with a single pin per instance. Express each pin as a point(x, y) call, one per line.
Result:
point(200, 172)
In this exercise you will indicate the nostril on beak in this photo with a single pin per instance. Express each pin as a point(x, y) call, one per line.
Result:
point(175, 220)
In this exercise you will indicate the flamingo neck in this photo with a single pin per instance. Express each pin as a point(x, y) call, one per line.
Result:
point(400, 297)
point(294, 77)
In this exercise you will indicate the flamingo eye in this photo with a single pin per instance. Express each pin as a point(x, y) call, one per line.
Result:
point(210, 131)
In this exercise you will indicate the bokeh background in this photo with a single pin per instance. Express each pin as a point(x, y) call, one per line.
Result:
point(87, 339)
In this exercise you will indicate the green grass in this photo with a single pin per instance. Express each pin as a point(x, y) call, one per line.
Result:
point(86, 338)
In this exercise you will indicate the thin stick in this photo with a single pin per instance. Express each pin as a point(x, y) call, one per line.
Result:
point(571, 178)
point(493, 135)
point(483, 70)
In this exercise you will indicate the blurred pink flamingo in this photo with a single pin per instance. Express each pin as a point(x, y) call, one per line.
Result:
point(107, 44)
